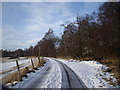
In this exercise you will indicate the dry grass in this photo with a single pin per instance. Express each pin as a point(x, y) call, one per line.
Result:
point(11, 77)
point(4, 59)
point(81, 59)
point(113, 66)
point(86, 59)
point(31, 57)
point(67, 58)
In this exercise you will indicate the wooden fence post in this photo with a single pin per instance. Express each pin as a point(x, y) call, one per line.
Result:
point(42, 58)
point(39, 59)
point(32, 64)
point(19, 74)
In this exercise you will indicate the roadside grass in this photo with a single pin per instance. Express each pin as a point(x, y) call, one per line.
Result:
point(59, 57)
point(29, 57)
point(4, 59)
point(114, 67)
point(15, 76)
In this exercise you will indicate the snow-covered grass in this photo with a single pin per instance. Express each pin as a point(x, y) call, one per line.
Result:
point(9, 72)
point(92, 73)
point(10, 65)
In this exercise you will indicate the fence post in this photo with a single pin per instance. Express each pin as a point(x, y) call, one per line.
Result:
point(42, 58)
point(39, 59)
point(19, 74)
point(32, 64)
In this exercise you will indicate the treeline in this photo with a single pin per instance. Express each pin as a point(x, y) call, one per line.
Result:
point(94, 35)
point(45, 47)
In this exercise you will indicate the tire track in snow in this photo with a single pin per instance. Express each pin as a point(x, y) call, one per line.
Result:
point(72, 80)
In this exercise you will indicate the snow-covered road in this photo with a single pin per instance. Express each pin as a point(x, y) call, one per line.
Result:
point(69, 77)
point(54, 74)
point(60, 73)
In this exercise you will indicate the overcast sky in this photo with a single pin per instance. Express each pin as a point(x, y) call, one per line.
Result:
point(25, 23)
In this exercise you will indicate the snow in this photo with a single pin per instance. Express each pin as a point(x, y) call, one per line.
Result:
point(54, 78)
point(91, 73)
point(51, 80)
point(10, 65)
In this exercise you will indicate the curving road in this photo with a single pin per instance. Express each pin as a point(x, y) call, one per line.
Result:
point(55, 75)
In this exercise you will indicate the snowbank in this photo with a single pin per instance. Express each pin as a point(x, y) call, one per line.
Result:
point(92, 73)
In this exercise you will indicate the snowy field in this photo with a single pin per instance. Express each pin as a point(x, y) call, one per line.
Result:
point(92, 73)
point(10, 65)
